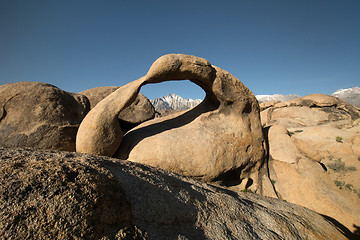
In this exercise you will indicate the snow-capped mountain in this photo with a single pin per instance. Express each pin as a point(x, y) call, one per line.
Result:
point(350, 95)
point(174, 102)
point(277, 97)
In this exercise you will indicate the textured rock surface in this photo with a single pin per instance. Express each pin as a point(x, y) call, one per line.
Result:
point(221, 135)
point(95, 95)
point(62, 195)
point(267, 104)
point(314, 158)
point(34, 114)
point(139, 111)
point(281, 146)
point(311, 110)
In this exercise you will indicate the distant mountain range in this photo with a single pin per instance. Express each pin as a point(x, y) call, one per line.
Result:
point(174, 102)
point(177, 103)
point(277, 97)
point(350, 95)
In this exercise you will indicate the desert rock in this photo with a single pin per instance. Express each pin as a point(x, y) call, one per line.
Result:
point(62, 195)
point(221, 135)
point(139, 111)
point(314, 155)
point(267, 104)
point(95, 95)
point(34, 114)
point(281, 146)
point(311, 110)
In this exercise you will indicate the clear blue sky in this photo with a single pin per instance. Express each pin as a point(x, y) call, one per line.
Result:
point(289, 46)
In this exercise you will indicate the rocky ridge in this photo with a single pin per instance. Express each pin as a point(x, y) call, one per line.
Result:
point(63, 195)
point(314, 155)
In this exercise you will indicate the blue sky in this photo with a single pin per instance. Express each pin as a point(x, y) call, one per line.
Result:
point(290, 46)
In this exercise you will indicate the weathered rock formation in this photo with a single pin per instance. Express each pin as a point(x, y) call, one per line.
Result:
point(62, 195)
point(95, 95)
point(267, 104)
point(139, 111)
point(311, 110)
point(222, 135)
point(39, 115)
point(314, 158)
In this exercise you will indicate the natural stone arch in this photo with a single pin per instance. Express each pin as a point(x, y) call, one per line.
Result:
point(222, 134)
point(167, 96)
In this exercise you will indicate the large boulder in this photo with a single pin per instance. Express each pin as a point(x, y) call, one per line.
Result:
point(138, 112)
point(221, 136)
point(39, 115)
point(61, 195)
point(314, 155)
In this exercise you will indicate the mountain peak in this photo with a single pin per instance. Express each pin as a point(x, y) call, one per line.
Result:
point(347, 90)
point(350, 95)
point(174, 102)
point(278, 97)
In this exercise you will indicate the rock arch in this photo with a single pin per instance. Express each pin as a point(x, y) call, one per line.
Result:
point(220, 135)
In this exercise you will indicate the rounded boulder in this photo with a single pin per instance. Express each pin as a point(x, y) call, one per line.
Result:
point(40, 115)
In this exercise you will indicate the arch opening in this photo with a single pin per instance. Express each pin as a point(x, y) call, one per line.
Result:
point(184, 88)
point(173, 96)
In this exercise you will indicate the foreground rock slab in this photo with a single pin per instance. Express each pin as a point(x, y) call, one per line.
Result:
point(64, 195)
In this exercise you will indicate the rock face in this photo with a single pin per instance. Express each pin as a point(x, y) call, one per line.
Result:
point(61, 195)
point(314, 155)
point(95, 95)
point(222, 135)
point(39, 115)
point(311, 110)
point(139, 111)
